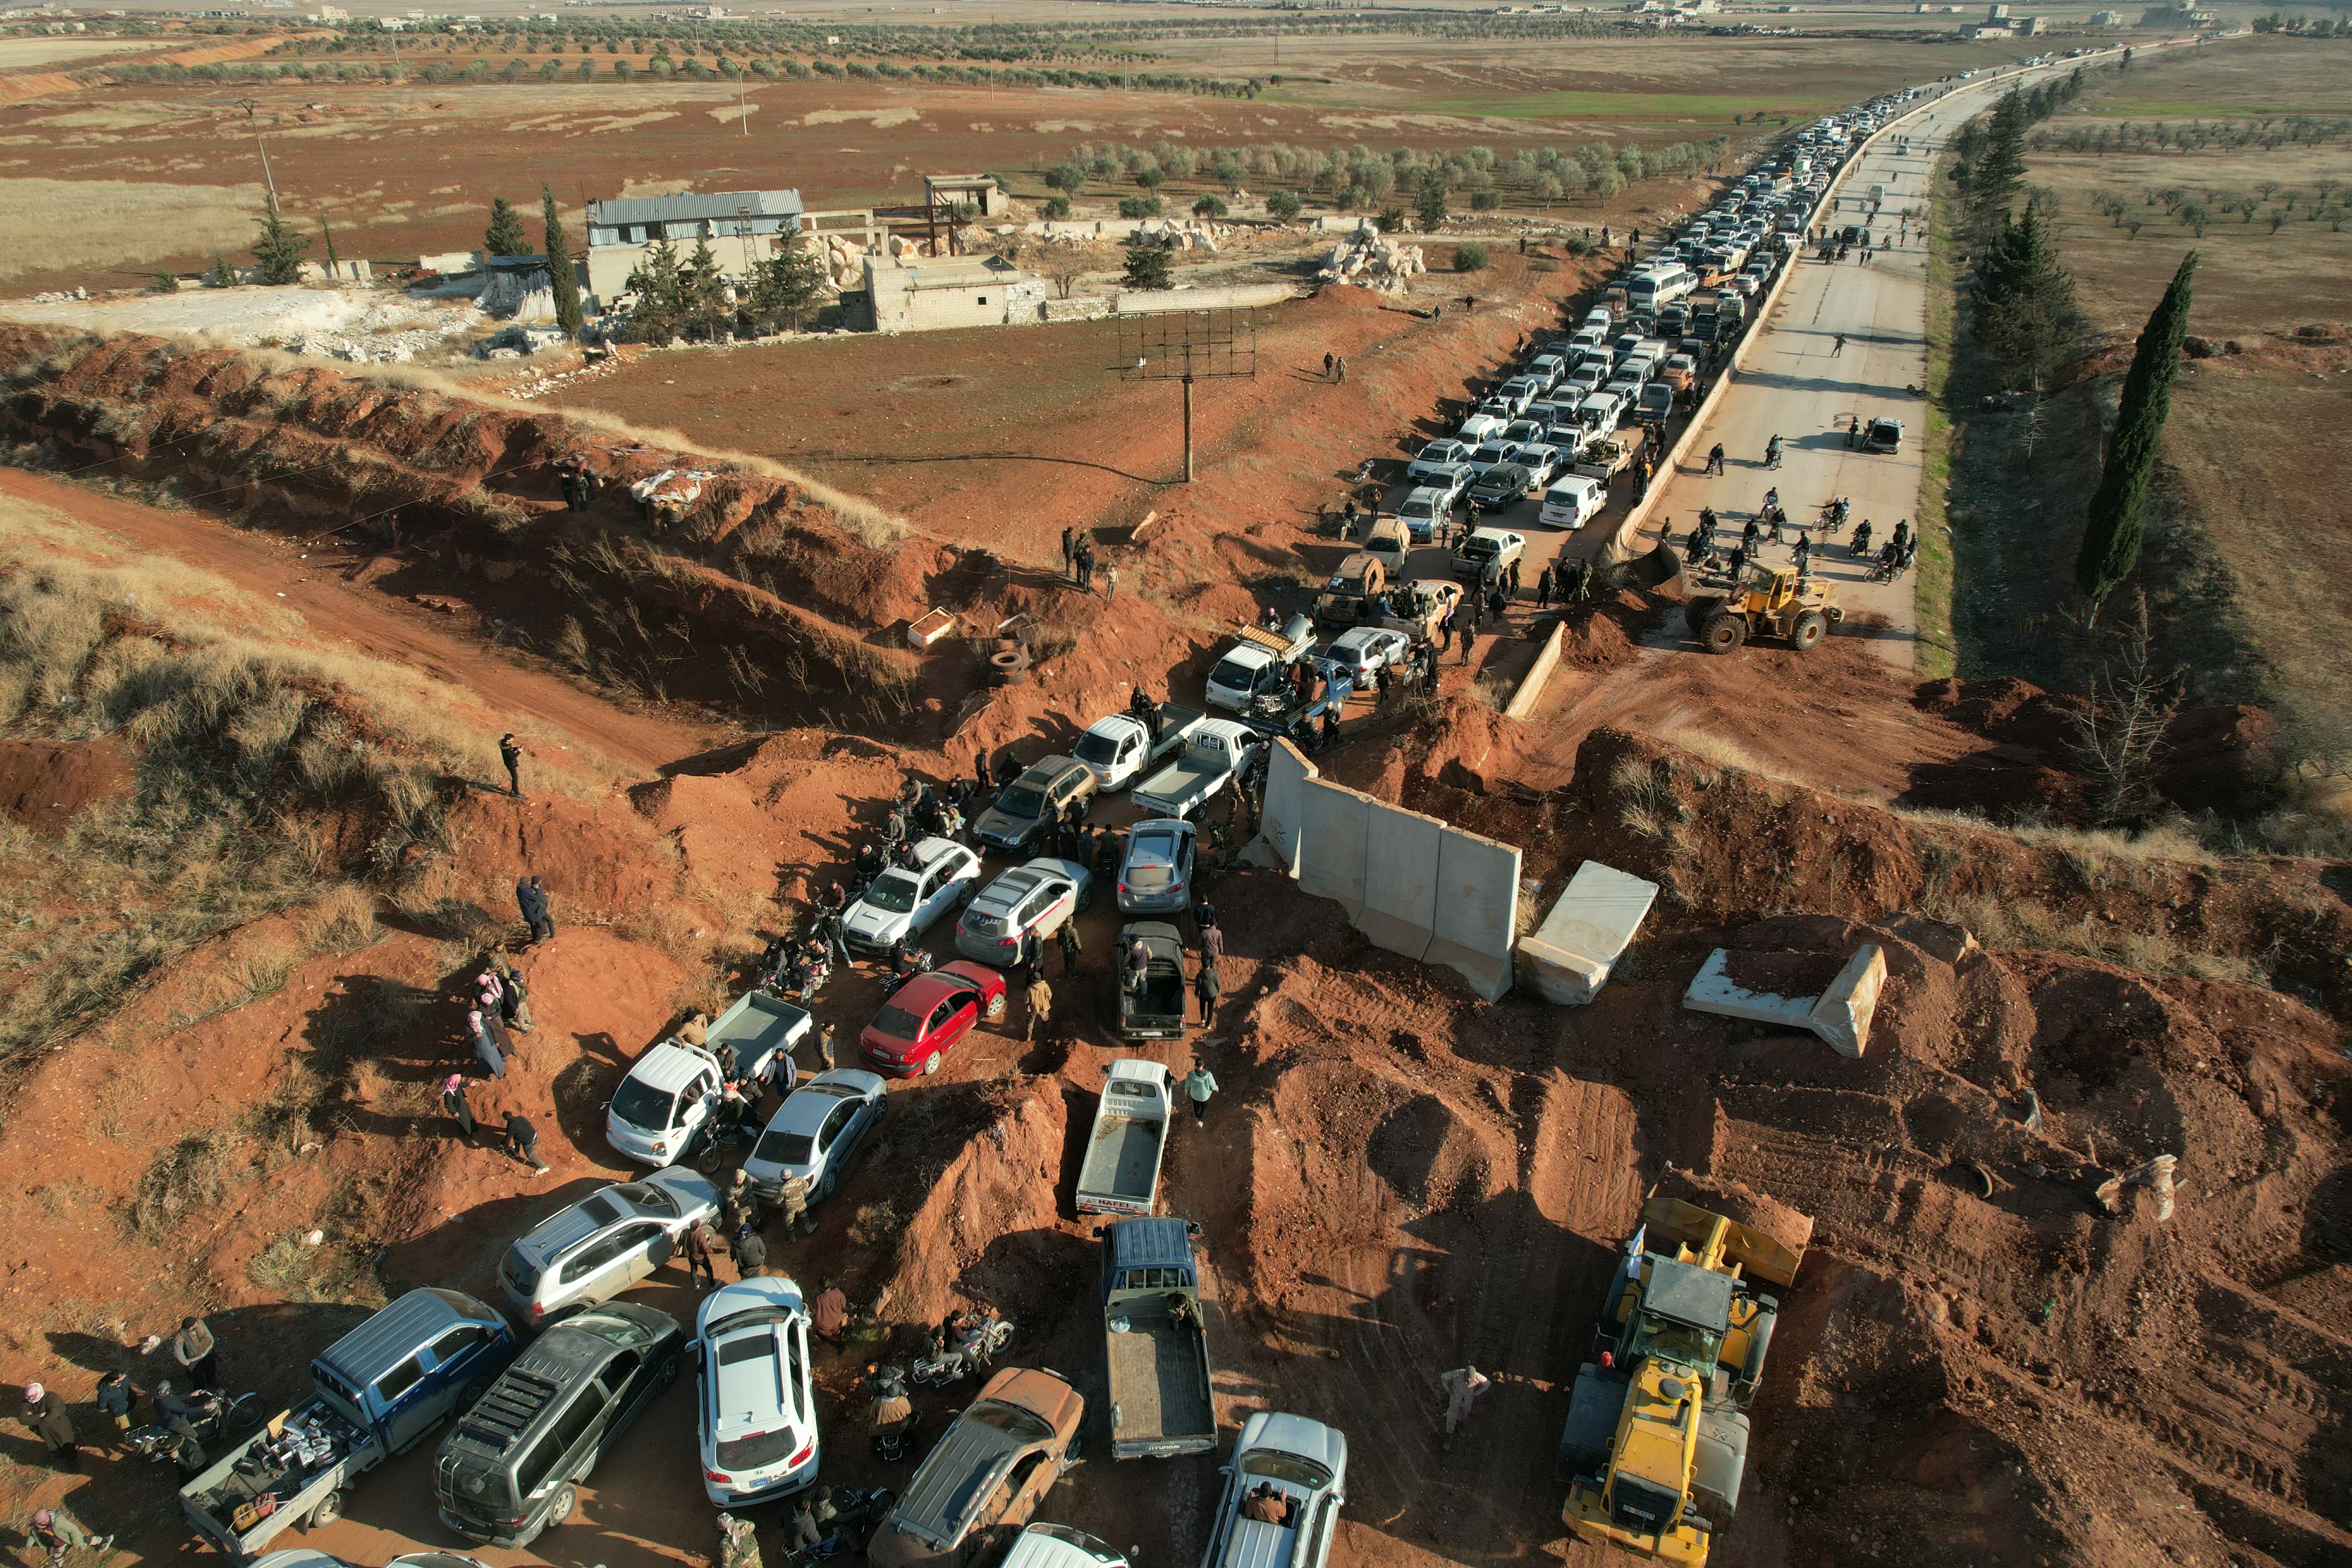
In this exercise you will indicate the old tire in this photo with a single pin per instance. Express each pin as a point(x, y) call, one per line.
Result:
point(1724, 633)
point(1010, 668)
point(1701, 610)
point(329, 1509)
point(565, 1503)
point(1811, 629)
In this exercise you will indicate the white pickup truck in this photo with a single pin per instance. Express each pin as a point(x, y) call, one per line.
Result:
point(1258, 661)
point(1117, 749)
point(1121, 1171)
point(1216, 751)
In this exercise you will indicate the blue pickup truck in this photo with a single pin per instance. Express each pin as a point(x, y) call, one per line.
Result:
point(378, 1391)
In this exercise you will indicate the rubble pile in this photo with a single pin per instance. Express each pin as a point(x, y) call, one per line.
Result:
point(1369, 259)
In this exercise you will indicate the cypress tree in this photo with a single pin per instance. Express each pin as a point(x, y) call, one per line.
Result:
point(2111, 536)
point(1995, 177)
point(505, 235)
point(2024, 316)
point(560, 279)
point(277, 254)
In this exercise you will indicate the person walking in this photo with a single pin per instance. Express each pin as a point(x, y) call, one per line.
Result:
point(453, 1101)
point(522, 1142)
point(1463, 1387)
point(825, 1052)
point(1543, 589)
point(792, 1202)
point(511, 753)
point(1199, 1086)
point(45, 1412)
point(1326, 365)
point(1213, 941)
point(196, 1352)
point(530, 897)
point(1208, 985)
point(114, 1398)
point(1068, 939)
point(1838, 347)
point(1039, 997)
point(1339, 369)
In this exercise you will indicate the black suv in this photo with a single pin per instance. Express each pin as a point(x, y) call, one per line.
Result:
point(505, 1471)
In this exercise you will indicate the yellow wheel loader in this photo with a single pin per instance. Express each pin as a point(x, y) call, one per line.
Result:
point(1657, 1430)
point(1768, 604)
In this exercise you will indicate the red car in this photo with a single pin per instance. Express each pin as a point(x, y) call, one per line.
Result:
point(929, 1014)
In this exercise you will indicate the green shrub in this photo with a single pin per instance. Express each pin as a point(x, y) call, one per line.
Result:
point(1469, 257)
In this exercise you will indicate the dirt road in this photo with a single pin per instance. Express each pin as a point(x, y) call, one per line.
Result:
point(326, 585)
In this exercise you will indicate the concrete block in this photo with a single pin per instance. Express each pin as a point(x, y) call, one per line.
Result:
point(1288, 772)
point(1531, 685)
point(1331, 845)
point(1478, 910)
point(1400, 911)
point(1568, 959)
point(1843, 1014)
point(1712, 990)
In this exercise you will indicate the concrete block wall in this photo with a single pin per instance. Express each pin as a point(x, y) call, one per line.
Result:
point(1410, 883)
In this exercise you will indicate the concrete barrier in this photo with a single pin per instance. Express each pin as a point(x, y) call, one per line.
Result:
point(1523, 701)
point(1410, 883)
point(1477, 910)
point(1240, 297)
point(1569, 958)
point(1841, 1015)
point(1400, 888)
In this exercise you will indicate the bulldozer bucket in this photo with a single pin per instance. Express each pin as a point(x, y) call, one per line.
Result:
point(1760, 1256)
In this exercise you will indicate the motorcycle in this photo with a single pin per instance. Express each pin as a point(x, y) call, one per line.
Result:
point(233, 1419)
point(1861, 546)
point(916, 961)
point(798, 979)
point(941, 1367)
point(895, 1424)
point(1833, 515)
point(856, 1513)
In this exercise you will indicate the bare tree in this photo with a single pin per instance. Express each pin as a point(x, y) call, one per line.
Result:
point(2119, 730)
point(1066, 264)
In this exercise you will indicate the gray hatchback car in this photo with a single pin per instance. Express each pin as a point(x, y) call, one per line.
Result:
point(603, 1244)
point(1156, 879)
point(816, 1130)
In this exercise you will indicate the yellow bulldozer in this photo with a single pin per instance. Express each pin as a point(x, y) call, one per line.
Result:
point(1657, 1439)
point(1768, 604)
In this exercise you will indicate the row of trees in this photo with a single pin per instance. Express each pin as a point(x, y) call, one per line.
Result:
point(689, 298)
point(663, 68)
point(2269, 133)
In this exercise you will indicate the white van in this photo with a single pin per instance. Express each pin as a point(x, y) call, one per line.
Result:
point(1599, 413)
point(1571, 502)
point(1655, 286)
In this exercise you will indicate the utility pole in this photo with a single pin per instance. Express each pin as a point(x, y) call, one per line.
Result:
point(743, 105)
point(268, 178)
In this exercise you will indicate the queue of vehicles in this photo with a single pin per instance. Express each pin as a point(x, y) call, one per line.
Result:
point(531, 1422)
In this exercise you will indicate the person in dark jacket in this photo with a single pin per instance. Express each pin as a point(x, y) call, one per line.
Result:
point(1208, 985)
point(114, 1399)
point(511, 753)
point(531, 899)
point(453, 1101)
point(522, 1142)
point(751, 1255)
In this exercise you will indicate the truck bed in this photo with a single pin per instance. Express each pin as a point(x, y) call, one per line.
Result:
point(209, 1501)
point(1123, 1160)
point(1159, 1012)
point(1160, 1390)
point(757, 1026)
point(1180, 786)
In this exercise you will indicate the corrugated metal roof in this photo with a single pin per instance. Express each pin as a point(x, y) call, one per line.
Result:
point(692, 206)
point(1145, 1244)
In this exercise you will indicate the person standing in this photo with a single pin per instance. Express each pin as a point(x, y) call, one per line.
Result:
point(1039, 997)
point(511, 753)
point(1543, 589)
point(1110, 586)
point(792, 1202)
point(830, 1314)
point(530, 897)
point(1208, 985)
point(514, 995)
point(1339, 369)
point(1326, 365)
point(45, 1412)
point(750, 1255)
point(522, 1142)
point(453, 1101)
point(1199, 1086)
point(1463, 1387)
point(193, 1349)
point(1838, 347)
point(824, 1045)
point(1852, 429)
point(114, 1398)
point(1069, 554)
point(739, 1543)
point(486, 1049)
point(701, 1267)
point(1068, 938)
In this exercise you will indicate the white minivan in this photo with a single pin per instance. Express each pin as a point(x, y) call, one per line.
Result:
point(1571, 502)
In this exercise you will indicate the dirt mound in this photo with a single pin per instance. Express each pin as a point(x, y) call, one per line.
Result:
point(43, 784)
point(987, 1227)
